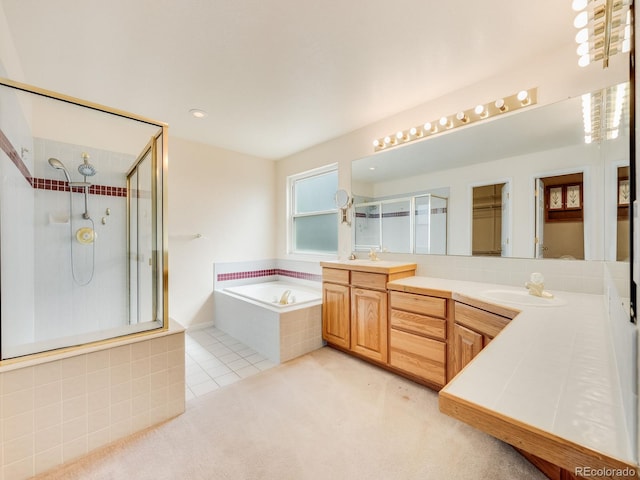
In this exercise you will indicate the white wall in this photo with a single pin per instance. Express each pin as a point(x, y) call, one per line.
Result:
point(229, 199)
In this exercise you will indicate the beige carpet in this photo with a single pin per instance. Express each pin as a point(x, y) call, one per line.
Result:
point(322, 416)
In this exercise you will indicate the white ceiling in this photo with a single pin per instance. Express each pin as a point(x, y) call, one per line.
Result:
point(275, 76)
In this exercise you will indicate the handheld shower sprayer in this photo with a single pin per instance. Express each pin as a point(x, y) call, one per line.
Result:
point(57, 164)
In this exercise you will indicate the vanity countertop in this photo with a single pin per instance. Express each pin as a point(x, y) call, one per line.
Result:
point(550, 371)
point(371, 266)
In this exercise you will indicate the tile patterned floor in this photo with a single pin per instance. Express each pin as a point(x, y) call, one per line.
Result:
point(214, 359)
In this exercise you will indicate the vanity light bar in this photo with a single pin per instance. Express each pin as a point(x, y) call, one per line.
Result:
point(604, 29)
point(602, 113)
point(522, 99)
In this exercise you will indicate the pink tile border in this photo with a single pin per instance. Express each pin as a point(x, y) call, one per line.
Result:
point(222, 277)
point(55, 185)
point(59, 185)
point(7, 147)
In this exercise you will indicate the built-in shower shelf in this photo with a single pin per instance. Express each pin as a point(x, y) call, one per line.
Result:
point(58, 219)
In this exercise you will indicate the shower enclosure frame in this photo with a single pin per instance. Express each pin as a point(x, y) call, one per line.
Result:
point(160, 257)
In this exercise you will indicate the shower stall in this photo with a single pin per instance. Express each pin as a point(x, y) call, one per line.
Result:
point(83, 247)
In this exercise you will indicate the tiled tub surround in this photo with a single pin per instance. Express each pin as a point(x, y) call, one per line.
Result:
point(57, 408)
point(278, 333)
point(552, 369)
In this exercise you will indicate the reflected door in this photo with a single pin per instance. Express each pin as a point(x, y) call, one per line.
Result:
point(505, 241)
point(539, 240)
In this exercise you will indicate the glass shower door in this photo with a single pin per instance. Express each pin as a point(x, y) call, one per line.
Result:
point(141, 226)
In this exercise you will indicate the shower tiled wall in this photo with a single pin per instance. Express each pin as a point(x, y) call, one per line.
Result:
point(102, 304)
point(61, 409)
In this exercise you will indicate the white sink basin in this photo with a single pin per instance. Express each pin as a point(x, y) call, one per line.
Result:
point(521, 297)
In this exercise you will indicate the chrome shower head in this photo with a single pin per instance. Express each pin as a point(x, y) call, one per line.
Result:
point(57, 164)
point(85, 168)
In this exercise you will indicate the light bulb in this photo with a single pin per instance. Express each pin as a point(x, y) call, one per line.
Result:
point(584, 60)
point(581, 20)
point(413, 132)
point(523, 97)
point(583, 49)
point(578, 5)
point(428, 127)
point(400, 135)
point(582, 35)
point(461, 116)
point(387, 140)
point(500, 105)
point(376, 143)
point(444, 121)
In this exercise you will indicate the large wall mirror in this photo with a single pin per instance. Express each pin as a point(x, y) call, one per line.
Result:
point(527, 184)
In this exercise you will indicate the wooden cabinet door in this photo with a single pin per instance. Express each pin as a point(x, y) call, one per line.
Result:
point(335, 314)
point(466, 345)
point(369, 323)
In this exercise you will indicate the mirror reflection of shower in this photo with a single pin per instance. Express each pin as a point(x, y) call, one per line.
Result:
point(84, 235)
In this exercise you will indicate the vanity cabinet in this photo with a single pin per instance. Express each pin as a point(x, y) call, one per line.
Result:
point(418, 336)
point(473, 329)
point(369, 323)
point(336, 307)
point(355, 305)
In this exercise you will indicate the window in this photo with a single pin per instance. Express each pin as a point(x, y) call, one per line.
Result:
point(313, 213)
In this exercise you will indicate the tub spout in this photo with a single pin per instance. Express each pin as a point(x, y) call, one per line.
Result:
point(284, 299)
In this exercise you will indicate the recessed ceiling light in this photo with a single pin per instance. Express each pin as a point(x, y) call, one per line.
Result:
point(196, 112)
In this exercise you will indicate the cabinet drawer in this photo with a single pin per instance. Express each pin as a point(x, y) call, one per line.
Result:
point(481, 321)
point(376, 281)
point(420, 324)
point(335, 275)
point(419, 356)
point(432, 306)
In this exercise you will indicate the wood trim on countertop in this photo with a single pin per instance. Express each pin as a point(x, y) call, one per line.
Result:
point(489, 307)
point(557, 450)
point(397, 267)
point(433, 292)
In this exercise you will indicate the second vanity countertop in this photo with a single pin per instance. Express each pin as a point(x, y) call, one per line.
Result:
point(551, 368)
